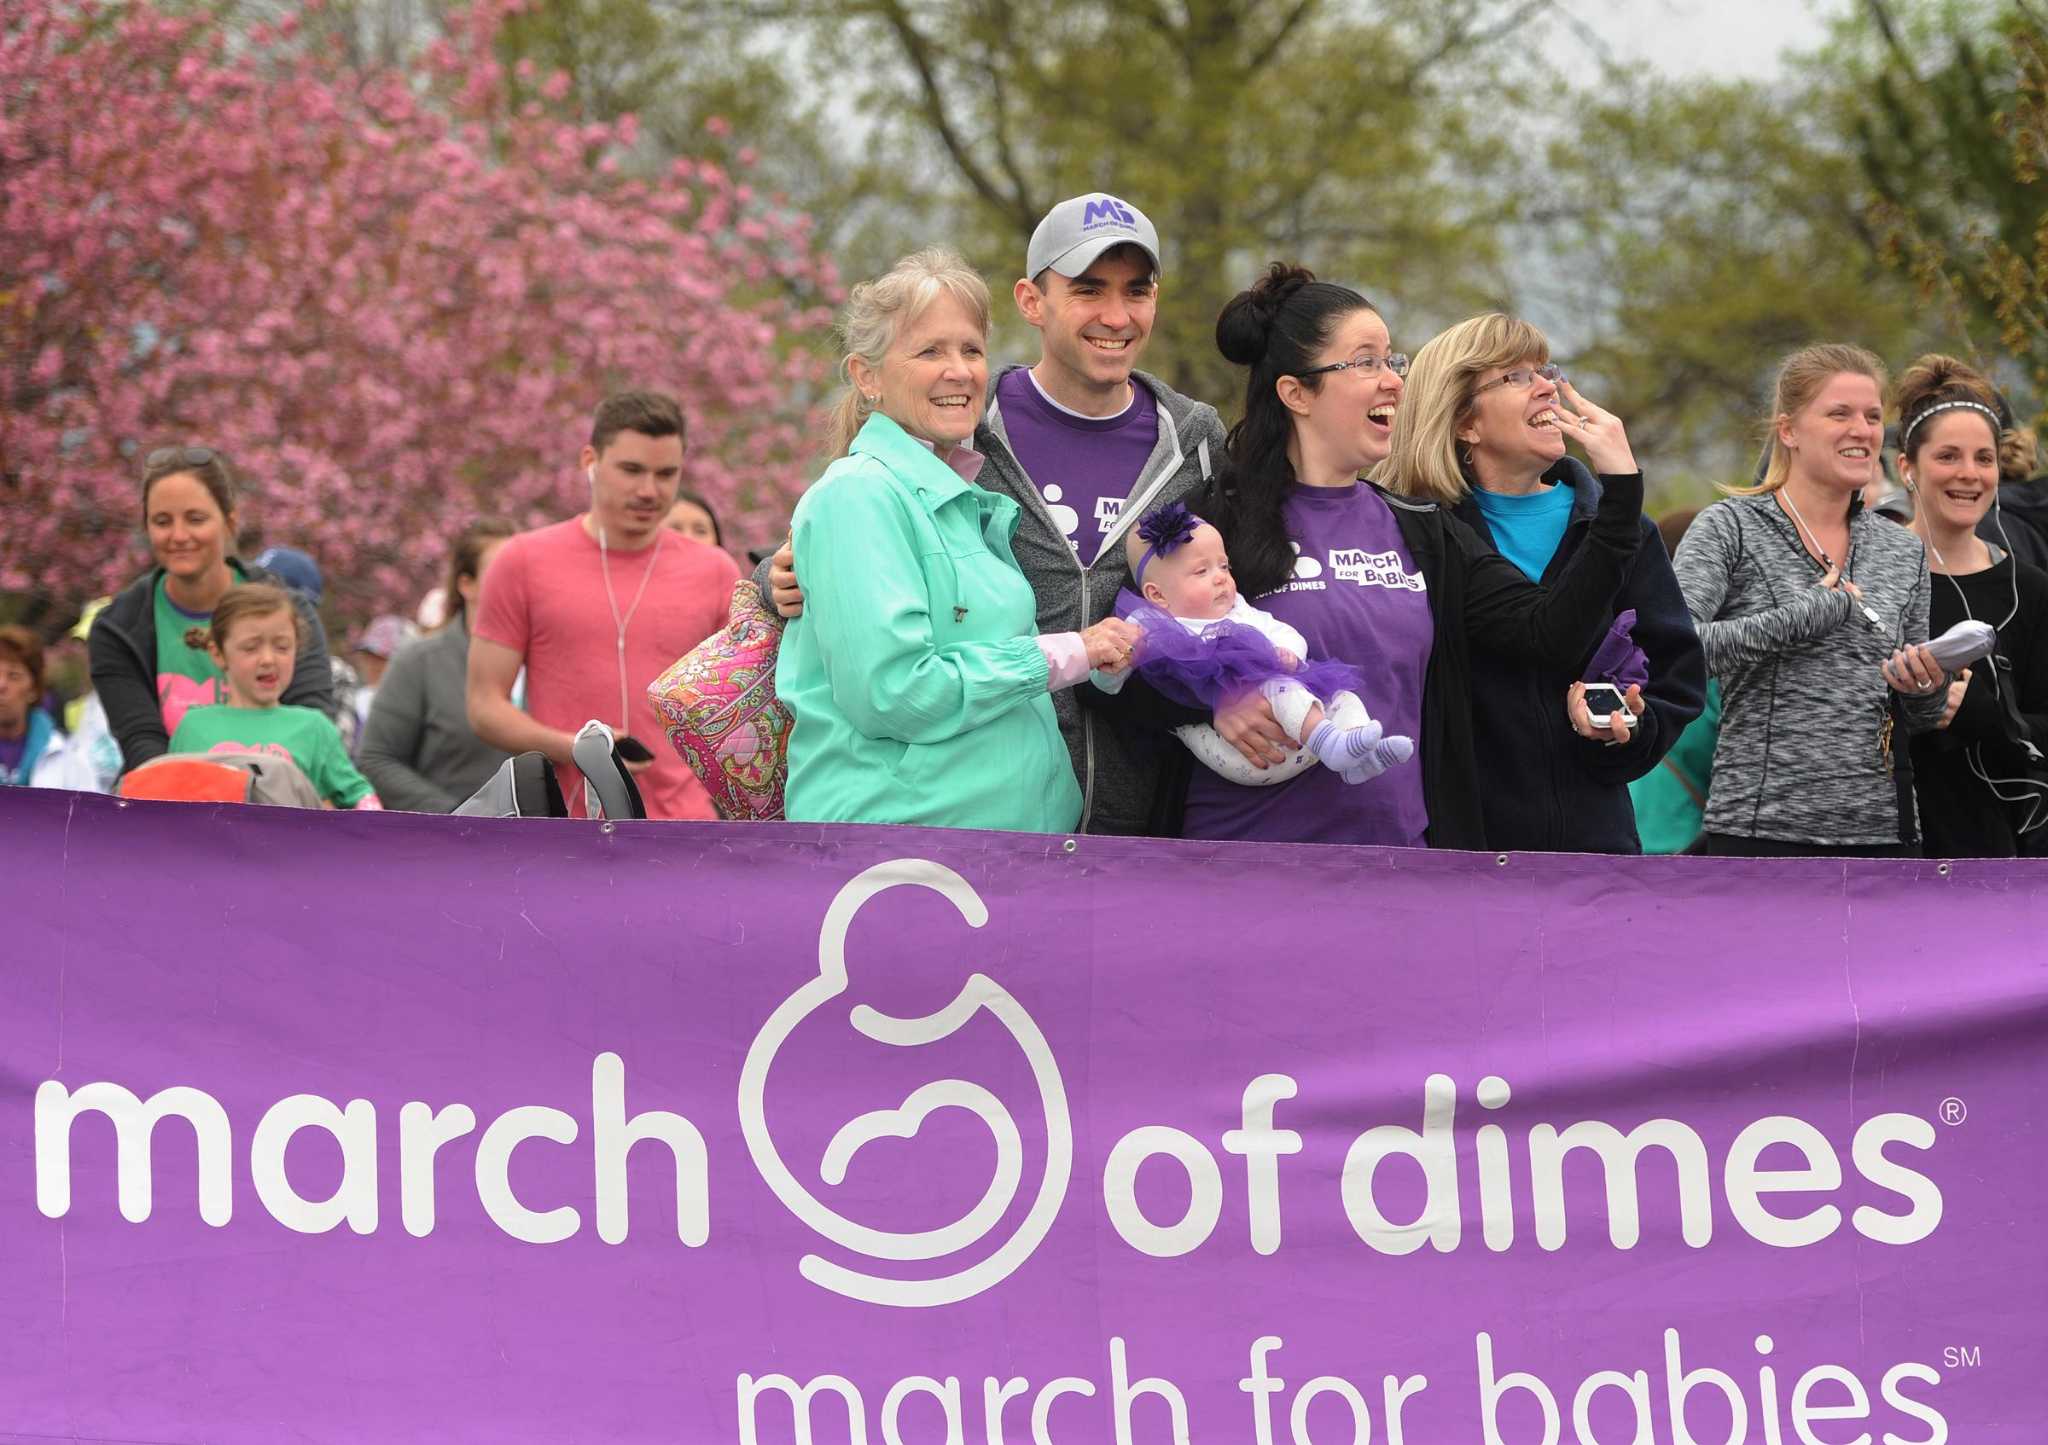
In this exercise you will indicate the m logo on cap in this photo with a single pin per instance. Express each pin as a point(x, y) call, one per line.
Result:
point(1108, 208)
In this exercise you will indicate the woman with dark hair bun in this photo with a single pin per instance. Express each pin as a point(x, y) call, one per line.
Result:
point(1975, 782)
point(1391, 585)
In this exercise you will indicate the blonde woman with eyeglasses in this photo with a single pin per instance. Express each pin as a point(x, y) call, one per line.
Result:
point(1484, 431)
point(1387, 583)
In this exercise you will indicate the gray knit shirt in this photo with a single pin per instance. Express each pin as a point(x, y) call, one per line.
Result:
point(1804, 703)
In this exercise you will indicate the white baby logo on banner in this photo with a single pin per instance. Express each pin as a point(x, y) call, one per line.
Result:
point(1305, 567)
point(980, 992)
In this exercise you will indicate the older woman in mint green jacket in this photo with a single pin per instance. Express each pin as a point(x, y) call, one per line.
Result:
point(920, 689)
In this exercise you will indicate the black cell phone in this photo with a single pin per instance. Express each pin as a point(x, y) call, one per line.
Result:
point(633, 750)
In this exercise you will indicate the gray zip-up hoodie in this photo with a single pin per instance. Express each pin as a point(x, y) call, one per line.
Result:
point(1117, 766)
point(1804, 705)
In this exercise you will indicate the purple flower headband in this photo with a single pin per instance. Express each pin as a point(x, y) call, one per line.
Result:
point(1164, 529)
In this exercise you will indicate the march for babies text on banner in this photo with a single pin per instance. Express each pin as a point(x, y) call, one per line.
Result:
point(408, 1129)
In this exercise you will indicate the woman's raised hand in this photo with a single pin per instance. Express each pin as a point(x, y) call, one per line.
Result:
point(1599, 431)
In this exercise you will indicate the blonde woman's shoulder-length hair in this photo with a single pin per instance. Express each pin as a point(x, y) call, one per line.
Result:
point(1800, 379)
point(877, 310)
point(1427, 459)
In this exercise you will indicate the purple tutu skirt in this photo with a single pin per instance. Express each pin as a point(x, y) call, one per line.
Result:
point(1224, 661)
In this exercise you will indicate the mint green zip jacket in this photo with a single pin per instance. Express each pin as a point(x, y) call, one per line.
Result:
point(914, 675)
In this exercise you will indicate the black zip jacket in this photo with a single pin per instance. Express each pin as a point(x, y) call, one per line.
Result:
point(1542, 786)
point(122, 653)
point(2019, 523)
point(1477, 598)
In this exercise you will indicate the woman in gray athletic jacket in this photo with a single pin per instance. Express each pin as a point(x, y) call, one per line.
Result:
point(1812, 612)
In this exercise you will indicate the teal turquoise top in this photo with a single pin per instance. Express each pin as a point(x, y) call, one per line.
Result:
point(1670, 798)
point(1527, 527)
point(914, 675)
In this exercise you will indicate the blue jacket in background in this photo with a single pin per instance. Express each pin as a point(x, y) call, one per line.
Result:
point(1542, 787)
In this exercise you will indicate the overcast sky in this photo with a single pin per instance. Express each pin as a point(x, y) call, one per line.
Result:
point(1726, 37)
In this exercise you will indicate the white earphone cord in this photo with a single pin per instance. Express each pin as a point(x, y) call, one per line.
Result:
point(612, 601)
point(2033, 794)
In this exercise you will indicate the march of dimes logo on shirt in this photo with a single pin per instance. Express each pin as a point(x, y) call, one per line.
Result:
point(1355, 565)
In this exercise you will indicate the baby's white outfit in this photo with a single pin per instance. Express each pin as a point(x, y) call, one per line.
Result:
point(1291, 703)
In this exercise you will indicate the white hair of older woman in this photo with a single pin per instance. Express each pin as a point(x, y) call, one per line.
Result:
point(878, 310)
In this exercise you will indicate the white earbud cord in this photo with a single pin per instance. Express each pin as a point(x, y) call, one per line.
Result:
point(2033, 792)
point(1827, 562)
point(611, 599)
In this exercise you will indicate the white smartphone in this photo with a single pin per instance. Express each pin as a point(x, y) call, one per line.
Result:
point(1603, 701)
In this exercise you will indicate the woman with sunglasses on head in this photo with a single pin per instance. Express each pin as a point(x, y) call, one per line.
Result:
point(1813, 612)
point(1392, 585)
point(148, 647)
point(1973, 778)
point(1483, 431)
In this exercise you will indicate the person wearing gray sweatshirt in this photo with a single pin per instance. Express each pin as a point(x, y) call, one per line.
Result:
point(1812, 611)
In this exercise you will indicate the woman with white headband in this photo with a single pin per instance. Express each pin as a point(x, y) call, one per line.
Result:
point(1813, 614)
point(1980, 781)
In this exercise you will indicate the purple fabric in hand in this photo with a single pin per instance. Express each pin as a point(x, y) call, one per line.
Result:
point(1617, 659)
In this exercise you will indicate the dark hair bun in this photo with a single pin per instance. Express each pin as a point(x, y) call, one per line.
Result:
point(1936, 378)
point(1245, 328)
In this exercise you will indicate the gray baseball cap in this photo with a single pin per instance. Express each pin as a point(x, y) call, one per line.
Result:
point(1078, 230)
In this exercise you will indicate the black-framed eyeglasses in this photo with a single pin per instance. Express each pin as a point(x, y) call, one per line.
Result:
point(1524, 376)
point(1365, 365)
point(175, 457)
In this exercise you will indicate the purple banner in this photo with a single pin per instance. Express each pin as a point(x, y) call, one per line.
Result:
point(389, 1128)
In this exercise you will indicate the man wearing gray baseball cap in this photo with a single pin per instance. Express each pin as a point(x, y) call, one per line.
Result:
point(1086, 443)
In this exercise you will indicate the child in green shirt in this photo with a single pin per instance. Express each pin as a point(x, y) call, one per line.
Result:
point(255, 642)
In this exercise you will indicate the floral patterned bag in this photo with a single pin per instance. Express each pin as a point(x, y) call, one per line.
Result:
point(719, 705)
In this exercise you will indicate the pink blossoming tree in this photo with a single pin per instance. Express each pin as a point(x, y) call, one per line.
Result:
point(392, 298)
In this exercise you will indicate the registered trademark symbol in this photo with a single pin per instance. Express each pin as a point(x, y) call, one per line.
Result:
point(1953, 1111)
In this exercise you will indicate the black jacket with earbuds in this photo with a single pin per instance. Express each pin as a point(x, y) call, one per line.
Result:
point(1975, 782)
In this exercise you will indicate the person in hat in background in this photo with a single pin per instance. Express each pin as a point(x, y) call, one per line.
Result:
point(1084, 442)
point(369, 655)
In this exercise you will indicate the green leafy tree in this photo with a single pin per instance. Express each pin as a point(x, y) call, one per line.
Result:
point(1703, 231)
point(1949, 118)
point(1342, 135)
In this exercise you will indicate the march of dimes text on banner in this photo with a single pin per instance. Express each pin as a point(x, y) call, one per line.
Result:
point(409, 1129)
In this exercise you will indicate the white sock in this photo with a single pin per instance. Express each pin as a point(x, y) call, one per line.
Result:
point(1386, 753)
point(1342, 748)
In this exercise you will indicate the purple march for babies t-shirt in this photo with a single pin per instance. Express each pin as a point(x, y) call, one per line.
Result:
point(1083, 466)
point(1357, 597)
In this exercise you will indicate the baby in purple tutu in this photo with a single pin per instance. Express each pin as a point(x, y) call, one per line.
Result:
point(1204, 645)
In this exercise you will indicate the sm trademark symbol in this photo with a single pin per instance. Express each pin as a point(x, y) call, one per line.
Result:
point(1962, 1357)
point(1953, 1111)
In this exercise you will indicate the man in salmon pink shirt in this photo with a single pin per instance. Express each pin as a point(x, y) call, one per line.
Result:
point(597, 607)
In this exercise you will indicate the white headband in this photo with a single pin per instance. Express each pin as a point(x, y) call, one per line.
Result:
point(1912, 426)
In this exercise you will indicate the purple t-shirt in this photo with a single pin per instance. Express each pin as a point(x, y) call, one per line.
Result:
point(1356, 596)
point(1083, 466)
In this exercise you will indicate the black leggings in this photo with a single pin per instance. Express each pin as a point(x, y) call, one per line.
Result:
point(1727, 845)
